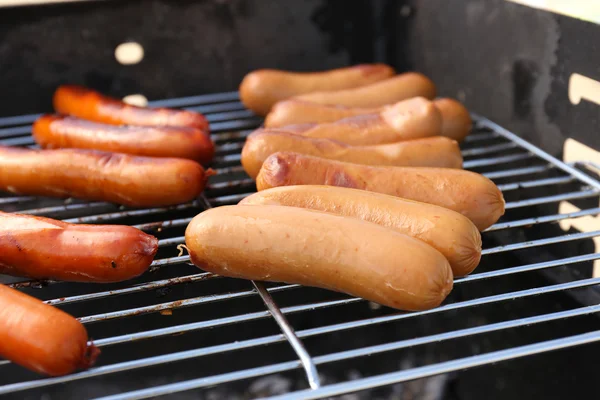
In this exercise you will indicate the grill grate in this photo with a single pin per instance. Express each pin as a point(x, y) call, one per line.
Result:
point(175, 298)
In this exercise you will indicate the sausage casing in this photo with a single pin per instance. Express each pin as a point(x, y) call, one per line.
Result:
point(43, 248)
point(468, 193)
point(409, 119)
point(94, 175)
point(56, 132)
point(456, 121)
point(93, 106)
point(313, 248)
point(436, 151)
point(293, 111)
point(449, 232)
point(261, 89)
point(40, 337)
point(388, 91)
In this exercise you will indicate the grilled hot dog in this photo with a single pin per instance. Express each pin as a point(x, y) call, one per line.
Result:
point(449, 232)
point(294, 245)
point(456, 121)
point(293, 111)
point(262, 88)
point(55, 131)
point(96, 175)
point(468, 193)
point(409, 119)
point(43, 248)
point(388, 91)
point(40, 337)
point(435, 151)
point(93, 106)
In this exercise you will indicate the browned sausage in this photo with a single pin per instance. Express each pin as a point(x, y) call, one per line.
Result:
point(55, 132)
point(436, 151)
point(409, 119)
point(95, 175)
point(93, 106)
point(43, 248)
point(388, 91)
point(40, 337)
point(465, 192)
point(313, 248)
point(449, 232)
point(456, 121)
point(262, 88)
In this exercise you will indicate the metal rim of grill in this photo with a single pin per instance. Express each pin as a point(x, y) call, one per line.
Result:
point(489, 147)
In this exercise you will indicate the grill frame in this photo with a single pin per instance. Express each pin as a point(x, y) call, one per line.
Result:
point(229, 121)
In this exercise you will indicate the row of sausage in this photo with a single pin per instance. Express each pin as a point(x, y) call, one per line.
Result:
point(360, 189)
point(99, 148)
point(95, 148)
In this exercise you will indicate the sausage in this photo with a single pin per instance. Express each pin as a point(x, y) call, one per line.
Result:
point(409, 119)
point(96, 175)
point(447, 231)
point(468, 193)
point(40, 337)
point(43, 248)
point(55, 131)
point(261, 89)
point(456, 121)
point(435, 151)
point(388, 91)
point(93, 106)
point(313, 248)
point(292, 111)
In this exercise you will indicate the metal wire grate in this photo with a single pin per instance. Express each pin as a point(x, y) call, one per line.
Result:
point(138, 324)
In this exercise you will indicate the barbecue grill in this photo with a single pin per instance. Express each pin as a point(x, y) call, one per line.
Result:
point(182, 332)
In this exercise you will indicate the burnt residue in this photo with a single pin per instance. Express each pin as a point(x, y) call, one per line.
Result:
point(35, 284)
point(524, 77)
point(154, 226)
point(162, 292)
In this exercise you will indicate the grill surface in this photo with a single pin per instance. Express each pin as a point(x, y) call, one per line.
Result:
point(138, 324)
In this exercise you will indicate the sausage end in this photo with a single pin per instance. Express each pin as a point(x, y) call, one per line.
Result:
point(89, 357)
point(273, 172)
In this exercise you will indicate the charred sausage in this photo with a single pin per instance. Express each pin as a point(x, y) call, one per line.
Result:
point(43, 248)
point(40, 337)
point(94, 175)
point(56, 132)
point(93, 106)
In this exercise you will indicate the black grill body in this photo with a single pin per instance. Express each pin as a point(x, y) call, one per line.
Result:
point(179, 328)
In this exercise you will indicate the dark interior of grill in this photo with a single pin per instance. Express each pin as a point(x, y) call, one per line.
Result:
point(506, 62)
